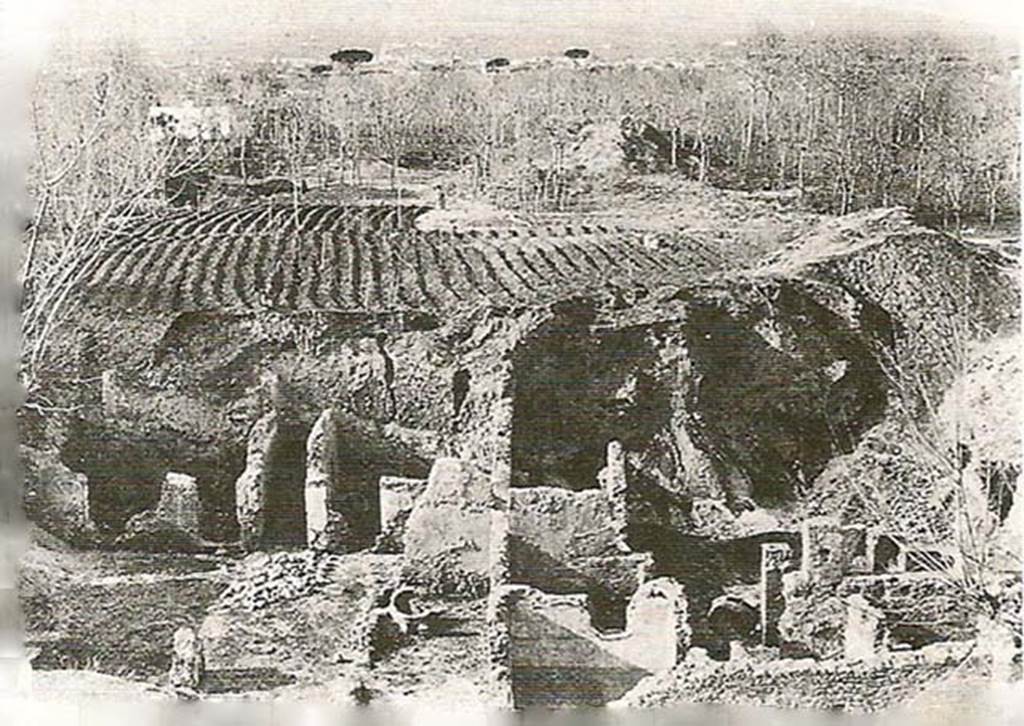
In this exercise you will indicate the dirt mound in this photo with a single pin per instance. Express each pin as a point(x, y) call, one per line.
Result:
point(940, 293)
point(600, 149)
point(468, 215)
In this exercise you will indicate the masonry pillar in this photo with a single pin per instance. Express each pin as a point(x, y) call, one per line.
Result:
point(775, 557)
point(324, 527)
point(864, 634)
point(499, 626)
point(612, 479)
point(251, 486)
point(822, 553)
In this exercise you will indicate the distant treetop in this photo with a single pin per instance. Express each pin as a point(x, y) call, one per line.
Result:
point(352, 56)
point(577, 53)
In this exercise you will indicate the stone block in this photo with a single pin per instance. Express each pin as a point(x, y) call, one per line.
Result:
point(864, 632)
point(179, 503)
point(187, 660)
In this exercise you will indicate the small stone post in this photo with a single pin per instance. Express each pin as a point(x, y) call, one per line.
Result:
point(187, 661)
point(775, 557)
point(864, 634)
point(612, 479)
point(179, 503)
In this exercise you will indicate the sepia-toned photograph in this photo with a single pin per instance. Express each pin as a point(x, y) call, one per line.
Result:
point(637, 362)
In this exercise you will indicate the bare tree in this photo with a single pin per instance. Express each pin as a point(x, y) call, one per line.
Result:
point(96, 170)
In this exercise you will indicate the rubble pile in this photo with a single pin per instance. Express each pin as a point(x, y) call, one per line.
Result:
point(265, 579)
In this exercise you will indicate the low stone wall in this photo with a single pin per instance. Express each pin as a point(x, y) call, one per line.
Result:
point(557, 657)
point(563, 541)
point(564, 524)
point(835, 684)
point(616, 577)
point(917, 600)
point(916, 609)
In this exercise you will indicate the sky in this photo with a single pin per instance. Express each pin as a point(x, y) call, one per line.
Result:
point(511, 27)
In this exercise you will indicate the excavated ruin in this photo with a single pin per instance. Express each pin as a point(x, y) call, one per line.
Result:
point(560, 417)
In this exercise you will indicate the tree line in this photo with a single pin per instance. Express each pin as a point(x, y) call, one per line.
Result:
point(850, 122)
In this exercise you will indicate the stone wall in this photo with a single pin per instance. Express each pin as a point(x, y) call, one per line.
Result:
point(55, 497)
point(565, 541)
point(930, 604)
point(447, 536)
point(457, 533)
point(917, 608)
point(557, 657)
point(826, 685)
point(563, 524)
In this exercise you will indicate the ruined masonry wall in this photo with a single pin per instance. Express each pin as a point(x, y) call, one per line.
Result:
point(55, 497)
point(564, 524)
point(933, 601)
point(858, 687)
point(447, 536)
point(554, 646)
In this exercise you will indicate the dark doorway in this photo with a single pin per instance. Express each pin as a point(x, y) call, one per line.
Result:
point(285, 504)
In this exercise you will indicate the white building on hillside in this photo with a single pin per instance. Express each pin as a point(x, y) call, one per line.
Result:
point(190, 122)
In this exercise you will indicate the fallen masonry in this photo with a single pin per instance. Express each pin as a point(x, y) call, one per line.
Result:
point(264, 578)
